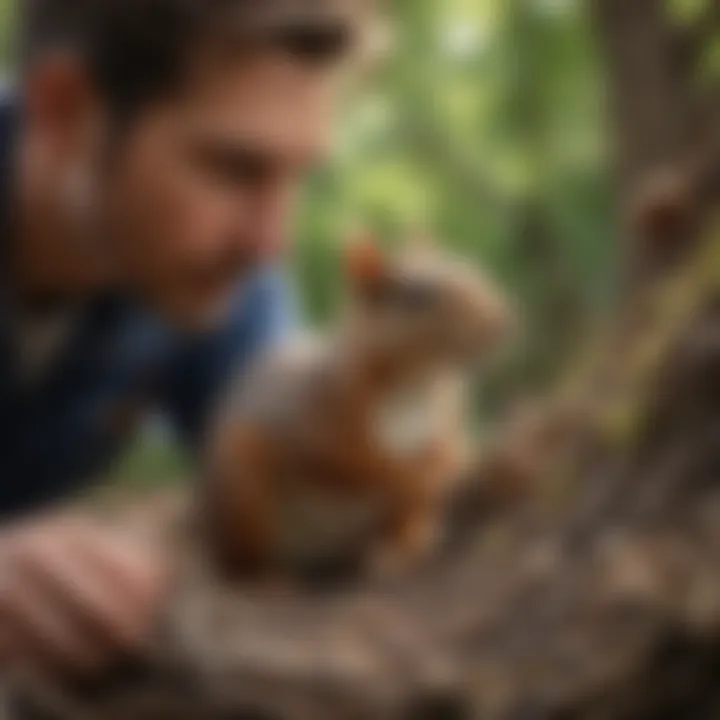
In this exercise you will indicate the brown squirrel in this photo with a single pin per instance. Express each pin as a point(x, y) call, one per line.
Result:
point(346, 445)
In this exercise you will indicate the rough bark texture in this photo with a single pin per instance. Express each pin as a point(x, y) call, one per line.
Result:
point(649, 92)
point(659, 110)
point(601, 602)
point(601, 599)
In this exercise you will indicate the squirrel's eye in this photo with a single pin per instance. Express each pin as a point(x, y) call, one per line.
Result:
point(419, 296)
point(380, 294)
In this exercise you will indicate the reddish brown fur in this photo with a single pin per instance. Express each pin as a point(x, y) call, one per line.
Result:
point(323, 432)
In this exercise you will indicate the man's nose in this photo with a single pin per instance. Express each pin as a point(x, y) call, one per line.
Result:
point(270, 225)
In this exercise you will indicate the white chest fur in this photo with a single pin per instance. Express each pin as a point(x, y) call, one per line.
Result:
point(413, 416)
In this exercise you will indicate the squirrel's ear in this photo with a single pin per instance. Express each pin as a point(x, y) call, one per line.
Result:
point(365, 262)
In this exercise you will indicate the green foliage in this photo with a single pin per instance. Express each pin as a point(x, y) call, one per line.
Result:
point(8, 9)
point(153, 463)
point(688, 11)
point(710, 64)
point(487, 127)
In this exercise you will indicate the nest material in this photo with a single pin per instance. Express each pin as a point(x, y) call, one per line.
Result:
point(600, 601)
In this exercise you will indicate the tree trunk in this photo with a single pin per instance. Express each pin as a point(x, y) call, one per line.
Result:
point(602, 602)
point(654, 108)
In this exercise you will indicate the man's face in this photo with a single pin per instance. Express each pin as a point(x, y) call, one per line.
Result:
point(202, 188)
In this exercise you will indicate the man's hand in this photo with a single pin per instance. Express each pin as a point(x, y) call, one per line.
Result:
point(74, 597)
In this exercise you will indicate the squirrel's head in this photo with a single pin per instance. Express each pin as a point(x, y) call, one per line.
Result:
point(421, 306)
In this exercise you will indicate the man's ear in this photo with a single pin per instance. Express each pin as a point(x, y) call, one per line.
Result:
point(59, 100)
point(366, 266)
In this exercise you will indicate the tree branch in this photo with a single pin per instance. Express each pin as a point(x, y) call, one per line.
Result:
point(604, 605)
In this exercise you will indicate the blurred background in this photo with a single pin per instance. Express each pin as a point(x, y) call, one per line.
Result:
point(514, 129)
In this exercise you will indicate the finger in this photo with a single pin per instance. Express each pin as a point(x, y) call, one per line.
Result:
point(34, 629)
point(104, 600)
point(38, 633)
point(134, 571)
point(139, 576)
point(138, 572)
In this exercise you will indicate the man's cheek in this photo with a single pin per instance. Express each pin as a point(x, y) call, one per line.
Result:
point(200, 222)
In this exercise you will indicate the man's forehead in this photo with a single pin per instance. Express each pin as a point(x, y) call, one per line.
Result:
point(267, 101)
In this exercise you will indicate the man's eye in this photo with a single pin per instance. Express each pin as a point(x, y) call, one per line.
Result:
point(247, 170)
point(237, 168)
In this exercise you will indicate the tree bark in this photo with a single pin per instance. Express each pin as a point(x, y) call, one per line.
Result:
point(603, 601)
point(659, 114)
point(600, 600)
point(649, 93)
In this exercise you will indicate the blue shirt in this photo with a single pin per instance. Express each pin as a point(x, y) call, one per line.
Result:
point(59, 435)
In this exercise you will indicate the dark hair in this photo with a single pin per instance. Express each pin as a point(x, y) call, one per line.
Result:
point(139, 50)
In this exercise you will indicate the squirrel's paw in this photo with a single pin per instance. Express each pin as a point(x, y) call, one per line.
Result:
point(402, 556)
point(386, 562)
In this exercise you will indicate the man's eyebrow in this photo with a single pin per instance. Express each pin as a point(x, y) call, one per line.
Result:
point(249, 154)
point(229, 150)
